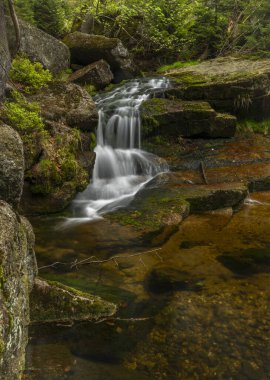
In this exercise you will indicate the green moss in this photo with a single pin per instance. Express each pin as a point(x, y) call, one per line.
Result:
point(188, 78)
point(2, 346)
point(91, 89)
point(31, 75)
point(254, 126)
point(176, 65)
point(53, 301)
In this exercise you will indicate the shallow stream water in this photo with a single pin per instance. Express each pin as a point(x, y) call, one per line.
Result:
point(196, 308)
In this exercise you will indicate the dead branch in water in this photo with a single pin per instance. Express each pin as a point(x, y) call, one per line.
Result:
point(94, 260)
point(202, 167)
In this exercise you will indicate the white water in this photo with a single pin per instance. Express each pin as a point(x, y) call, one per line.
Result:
point(121, 167)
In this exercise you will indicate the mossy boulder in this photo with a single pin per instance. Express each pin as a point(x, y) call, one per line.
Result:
point(53, 302)
point(17, 272)
point(234, 85)
point(68, 103)
point(89, 48)
point(11, 165)
point(39, 46)
point(97, 74)
point(175, 118)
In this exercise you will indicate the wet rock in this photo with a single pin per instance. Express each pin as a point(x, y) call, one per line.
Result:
point(53, 302)
point(5, 59)
point(248, 262)
point(164, 204)
point(164, 278)
point(212, 197)
point(234, 85)
point(175, 118)
point(39, 46)
point(11, 165)
point(68, 103)
point(97, 74)
point(63, 168)
point(17, 272)
point(89, 48)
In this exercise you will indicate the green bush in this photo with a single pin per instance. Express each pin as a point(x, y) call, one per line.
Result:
point(31, 75)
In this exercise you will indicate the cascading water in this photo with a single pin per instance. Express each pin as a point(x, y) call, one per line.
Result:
point(121, 167)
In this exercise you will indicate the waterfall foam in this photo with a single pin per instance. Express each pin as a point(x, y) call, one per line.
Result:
point(121, 167)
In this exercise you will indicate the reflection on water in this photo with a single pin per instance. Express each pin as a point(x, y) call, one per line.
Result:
point(205, 301)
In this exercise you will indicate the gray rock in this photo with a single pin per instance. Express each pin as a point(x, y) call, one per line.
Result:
point(68, 103)
point(17, 272)
point(40, 47)
point(11, 165)
point(4, 52)
point(89, 48)
point(97, 74)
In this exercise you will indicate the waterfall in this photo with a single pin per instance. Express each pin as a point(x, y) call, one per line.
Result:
point(121, 167)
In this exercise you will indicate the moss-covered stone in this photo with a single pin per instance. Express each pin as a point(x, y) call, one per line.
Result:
point(175, 118)
point(234, 85)
point(54, 302)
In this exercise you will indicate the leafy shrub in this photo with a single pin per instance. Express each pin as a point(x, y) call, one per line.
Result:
point(31, 75)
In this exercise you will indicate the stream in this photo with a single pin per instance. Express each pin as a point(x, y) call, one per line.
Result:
point(196, 309)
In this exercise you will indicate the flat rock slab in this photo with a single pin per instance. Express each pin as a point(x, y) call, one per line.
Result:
point(53, 302)
point(164, 203)
point(176, 118)
point(238, 86)
point(243, 159)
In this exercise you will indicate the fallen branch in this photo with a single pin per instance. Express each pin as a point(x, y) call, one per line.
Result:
point(94, 260)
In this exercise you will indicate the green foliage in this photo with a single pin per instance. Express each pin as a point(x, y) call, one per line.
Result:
point(171, 30)
point(91, 89)
point(262, 127)
point(50, 15)
point(31, 75)
point(24, 10)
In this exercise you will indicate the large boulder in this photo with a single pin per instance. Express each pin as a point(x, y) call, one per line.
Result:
point(175, 118)
point(68, 103)
point(11, 165)
point(17, 272)
point(89, 48)
point(237, 86)
point(39, 46)
point(98, 74)
point(4, 52)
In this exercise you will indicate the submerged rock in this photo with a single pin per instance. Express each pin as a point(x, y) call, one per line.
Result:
point(11, 165)
point(53, 302)
point(98, 74)
point(174, 118)
point(17, 272)
point(39, 46)
point(89, 48)
point(163, 278)
point(234, 85)
point(68, 103)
